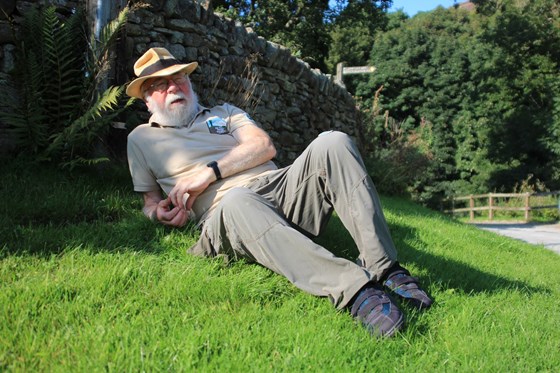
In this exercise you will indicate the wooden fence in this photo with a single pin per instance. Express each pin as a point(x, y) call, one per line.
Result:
point(493, 206)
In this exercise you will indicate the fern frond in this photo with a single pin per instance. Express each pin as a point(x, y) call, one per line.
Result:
point(81, 161)
point(23, 119)
point(109, 33)
point(21, 108)
point(90, 125)
point(64, 55)
point(100, 48)
point(50, 60)
point(109, 98)
point(56, 110)
point(31, 37)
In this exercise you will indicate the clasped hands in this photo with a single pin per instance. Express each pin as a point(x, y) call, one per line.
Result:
point(174, 210)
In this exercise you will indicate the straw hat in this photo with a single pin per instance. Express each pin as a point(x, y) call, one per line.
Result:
point(154, 63)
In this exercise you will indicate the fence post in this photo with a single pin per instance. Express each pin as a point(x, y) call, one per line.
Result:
point(471, 205)
point(527, 207)
point(453, 206)
point(490, 207)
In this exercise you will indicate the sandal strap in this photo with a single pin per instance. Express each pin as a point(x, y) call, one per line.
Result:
point(367, 300)
point(399, 278)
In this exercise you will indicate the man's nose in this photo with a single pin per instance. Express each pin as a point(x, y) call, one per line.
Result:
point(172, 86)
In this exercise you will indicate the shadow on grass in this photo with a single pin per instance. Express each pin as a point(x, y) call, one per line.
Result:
point(46, 211)
point(135, 234)
point(449, 273)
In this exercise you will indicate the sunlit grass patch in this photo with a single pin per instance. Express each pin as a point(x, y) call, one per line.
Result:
point(116, 292)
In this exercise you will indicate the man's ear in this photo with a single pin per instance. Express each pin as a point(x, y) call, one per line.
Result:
point(148, 105)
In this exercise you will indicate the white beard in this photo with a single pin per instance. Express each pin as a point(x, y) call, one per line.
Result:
point(178, 115)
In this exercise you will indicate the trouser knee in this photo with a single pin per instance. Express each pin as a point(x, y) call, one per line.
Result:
point(335, 146)
point(236, 199)
point(333, 141)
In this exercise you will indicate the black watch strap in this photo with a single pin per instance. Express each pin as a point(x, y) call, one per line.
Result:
point(214, 166)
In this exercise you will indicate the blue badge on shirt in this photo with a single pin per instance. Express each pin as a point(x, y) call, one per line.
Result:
point(217, 125)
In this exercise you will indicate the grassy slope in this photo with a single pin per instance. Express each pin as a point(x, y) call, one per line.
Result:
point(86, 283)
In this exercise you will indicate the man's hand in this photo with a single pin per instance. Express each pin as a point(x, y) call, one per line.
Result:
point(174, 216)
point(163, 210)
point(186, 190)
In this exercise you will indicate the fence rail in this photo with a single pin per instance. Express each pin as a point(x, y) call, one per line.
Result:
point(492, 206)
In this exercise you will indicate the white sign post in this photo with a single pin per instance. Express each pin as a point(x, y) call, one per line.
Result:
point(342, 70)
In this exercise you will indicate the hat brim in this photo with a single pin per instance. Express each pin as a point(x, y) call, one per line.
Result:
point(134, 89)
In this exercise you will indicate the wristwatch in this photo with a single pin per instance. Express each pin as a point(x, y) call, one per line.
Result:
point(214, 166)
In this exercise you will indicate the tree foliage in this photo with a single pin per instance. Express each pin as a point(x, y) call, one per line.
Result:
point(321, 32)
point(352, 30)
point(488, 85)
point(296, 24)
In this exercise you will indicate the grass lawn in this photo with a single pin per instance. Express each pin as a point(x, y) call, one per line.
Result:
point(88, 284)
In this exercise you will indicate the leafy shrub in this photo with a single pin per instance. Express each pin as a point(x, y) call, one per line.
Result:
point(53, 108)
point(396, 159)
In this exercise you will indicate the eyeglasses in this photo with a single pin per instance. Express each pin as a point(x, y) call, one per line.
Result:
point(162, 84)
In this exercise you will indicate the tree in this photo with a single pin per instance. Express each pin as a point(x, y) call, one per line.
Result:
point(296, 24)
point(311, 29)
point(354, 24)
point(488, 84)
point(423, 67)
point(527, 38)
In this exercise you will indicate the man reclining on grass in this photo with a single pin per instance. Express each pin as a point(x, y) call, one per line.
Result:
point(215, 167)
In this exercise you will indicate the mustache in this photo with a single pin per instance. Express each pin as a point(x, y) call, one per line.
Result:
point(174, 97)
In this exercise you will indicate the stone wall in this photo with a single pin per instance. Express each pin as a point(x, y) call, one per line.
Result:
point(291, 101)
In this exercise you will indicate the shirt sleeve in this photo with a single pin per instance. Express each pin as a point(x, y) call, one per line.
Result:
point(142, 178)
point(238, 118)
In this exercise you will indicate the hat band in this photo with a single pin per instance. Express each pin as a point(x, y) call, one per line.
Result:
point(159, 65)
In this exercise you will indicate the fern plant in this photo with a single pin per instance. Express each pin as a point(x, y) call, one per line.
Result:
point(55, 110)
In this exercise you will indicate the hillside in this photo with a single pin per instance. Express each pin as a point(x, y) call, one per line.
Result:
point(88, 284)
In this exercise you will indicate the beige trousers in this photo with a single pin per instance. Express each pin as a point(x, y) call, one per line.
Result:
point(271, 220)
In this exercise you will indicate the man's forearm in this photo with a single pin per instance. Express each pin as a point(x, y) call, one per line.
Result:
point(245, 156)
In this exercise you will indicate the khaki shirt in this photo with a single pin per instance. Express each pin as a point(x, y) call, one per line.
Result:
point(158, 156)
